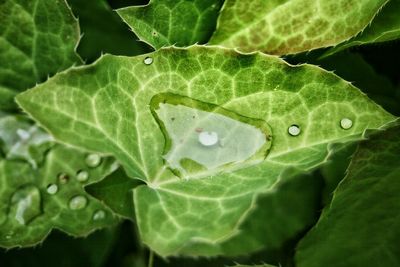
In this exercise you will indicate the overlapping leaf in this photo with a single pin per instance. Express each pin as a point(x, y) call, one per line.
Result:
point(291, 26)
point(37, 39)
point(48, 192)
point(361, 226)
point(385, 27)
point(120, 106)
point(170, 22)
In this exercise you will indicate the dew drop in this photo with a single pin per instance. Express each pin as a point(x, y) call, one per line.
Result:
point(77, 202)
point(294, 130)
point(82, 176)
point(26, 204)
point(148, 60)
point(346, 123)
point(99, 215)
point(63, 178)
point(52, 189)
point(208, 138)
point(93, 160)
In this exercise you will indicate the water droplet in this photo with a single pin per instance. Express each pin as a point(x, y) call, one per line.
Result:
point(82, 176)
point(99, 215)
point(77, 202)
point(195, 144)
point(63, 178)
point(93, 160)
point(52, 189)
point(148, 60)
point(346, 123)
point(294, 130)
point(208, 138)
point(26, 204)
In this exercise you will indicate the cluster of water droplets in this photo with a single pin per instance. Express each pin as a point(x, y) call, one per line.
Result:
point(26, 202)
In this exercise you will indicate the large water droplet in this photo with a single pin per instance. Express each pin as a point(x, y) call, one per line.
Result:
point(93, 160)
point(205, 136)
point(82, 176)
point(26, 204)
point(77, 202)
point(52, 189)
point(99, 215)
point(346, 123)
point(148, 60)
point(294, 130)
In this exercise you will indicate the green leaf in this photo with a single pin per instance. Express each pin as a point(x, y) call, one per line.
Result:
point(104, 31)
point(291, 26)
point(289, 210)
point(385, 27)
point(37, 39)
point(21, 139)
point(170, 22)
point(116, 190)
point(34, 201)
point(157, 114)
point(361, 226)
point(64, 251)
point(7, 99)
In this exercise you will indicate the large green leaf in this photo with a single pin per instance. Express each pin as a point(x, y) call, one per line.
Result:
point(173, 22)
point(37, 39)
point(161, 115)
point(291, 26)
point(361, 227)
point(34, 201)
point(385, 27)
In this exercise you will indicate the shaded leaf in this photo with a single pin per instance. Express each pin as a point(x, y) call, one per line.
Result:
point(170, 22)
point(37, 39)
point(63, 251)
point(139, 108)
point(385, 27)
point(33, 202)
point(104, 31)
point(361, 226)
point(291, 26)
point(116, 190)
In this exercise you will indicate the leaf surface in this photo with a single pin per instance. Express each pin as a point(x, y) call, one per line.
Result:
point(361, 226)
point(159, 115)
point(385, 27)
point(37, 39)
point(291, 26)
point(35, 201)
point(173, 22)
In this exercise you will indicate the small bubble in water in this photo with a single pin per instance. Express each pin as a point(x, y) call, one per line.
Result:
point(208, 138)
